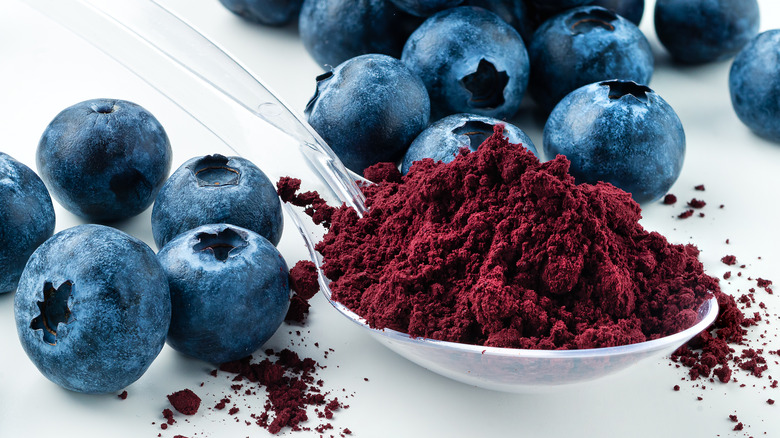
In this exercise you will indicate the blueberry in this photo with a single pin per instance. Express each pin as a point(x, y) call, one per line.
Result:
point(229, 291)
point(754, 83)
point(632, 10)
point(471, 61)
point(553, 6)
point(585, 45)
point(424, 8)
point(514, 12)
point(369, 109)
point(217, 189)
point(698, 31)
point(268, 12)
point(618, 132)
point(26, 218)
point(104, 159)
point(93, 308)
point(443, 140)
point(332, 31)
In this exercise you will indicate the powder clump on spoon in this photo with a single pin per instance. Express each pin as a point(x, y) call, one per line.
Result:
point(303, 283)
point(498, 249)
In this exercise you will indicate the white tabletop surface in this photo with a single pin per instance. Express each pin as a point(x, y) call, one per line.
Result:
point(44, 69)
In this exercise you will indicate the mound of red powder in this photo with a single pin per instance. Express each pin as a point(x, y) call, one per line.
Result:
point(498, 249)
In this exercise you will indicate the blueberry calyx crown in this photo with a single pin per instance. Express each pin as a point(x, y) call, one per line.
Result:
point(486, 85)
point(223, 244)
point(54, 310)
point(476, 131)
point(104, 107)
point(584, 21)
point(618, 89)
point(213, 171)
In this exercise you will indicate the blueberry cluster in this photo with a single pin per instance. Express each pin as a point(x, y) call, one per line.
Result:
point(583, 64)
point(93, 305)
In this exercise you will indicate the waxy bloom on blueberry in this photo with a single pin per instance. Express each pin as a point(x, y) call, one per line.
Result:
point(754, 83)
point(104, 159)
point(230, 291)
point(618, 132)
point(92, 308)
point(471, 61)
point(217, 189)
point(424, 8)
point(585, 45)
point(26, 218)
point(697, 31)
point(632, 10)
point(333, 31)
point(268, 12)
point(369, 109)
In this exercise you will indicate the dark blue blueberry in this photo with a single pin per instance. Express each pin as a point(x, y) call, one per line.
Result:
point(554, 6)
point(514, 12)
point(104, 159)
point(93, 308)
point(698, 31)
point(585, 45)
point(269, 12)
point(369, 109)
point(333, 31)
point(621, 133)
point(424, 8)
point(754, 83)
point(632, 10)
point(217, 189)
point(26, 218)
point(471, 61)
point(444, 139)
point(229, 292)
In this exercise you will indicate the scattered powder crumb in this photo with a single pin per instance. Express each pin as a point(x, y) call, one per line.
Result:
point(700, 187)
point(185, 401)
point(168, 415)
point(686, 214)
point(729, 260)
point(123, 395)
point(669, 199)
point(288, 385)
point(696, 203)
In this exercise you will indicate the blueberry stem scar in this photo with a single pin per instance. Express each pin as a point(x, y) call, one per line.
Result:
point(223, 244)
point(486, 85)
point(476, 131)
point(213, 171)
point(54, 310)
point(582, 22)
point(618, 89)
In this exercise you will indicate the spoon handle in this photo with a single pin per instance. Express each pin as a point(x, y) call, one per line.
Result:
point(202, 79)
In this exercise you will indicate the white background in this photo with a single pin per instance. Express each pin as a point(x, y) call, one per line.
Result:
point(44, 69)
